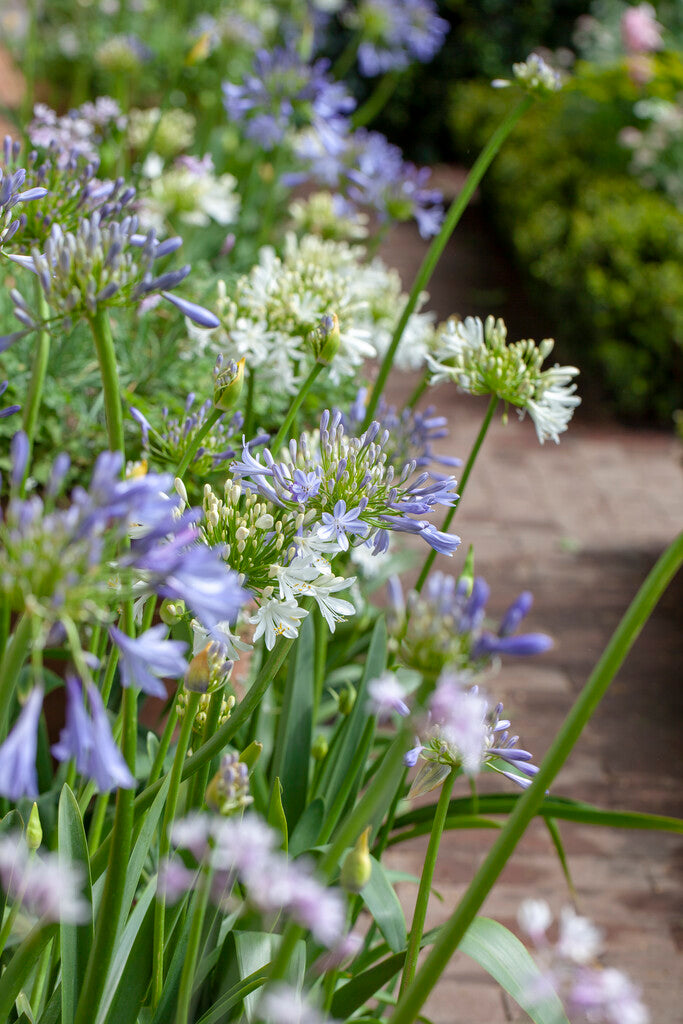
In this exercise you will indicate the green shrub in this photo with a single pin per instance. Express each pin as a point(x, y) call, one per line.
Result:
point(604, 254)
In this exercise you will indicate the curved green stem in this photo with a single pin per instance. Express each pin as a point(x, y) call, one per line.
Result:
point(435, 250)
point(419, 391)
point(453, 930)
point(13, 659)
point(377, 100)
point(191, 449)
point(34, 397)
point(426, 879)
point(347, 57)
point(106, 356)
point(462, 484)
point(283, 432)
point(165, 842)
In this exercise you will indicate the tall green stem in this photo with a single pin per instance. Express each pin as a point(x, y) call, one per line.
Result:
point(452, 932)
point(200, 901)
point(419, 391)
point(106, 356)
point(433, 255)
point(462, 484)
point(283, 432)
point(377, 100)
point(191, 449)
point(115, 880)
point(419, 917)
point(13, 659)
point(165, 842)
point(34, 397)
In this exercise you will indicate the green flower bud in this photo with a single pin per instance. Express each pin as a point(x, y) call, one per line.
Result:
point(171, 612)
point(347, 698)
point(251, 754)
point(319, 748)
point(357, 866)
point(34, 830)
point(467, 574)
point(325, 338)
point(228, 383)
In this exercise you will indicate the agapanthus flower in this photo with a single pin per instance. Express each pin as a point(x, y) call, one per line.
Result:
point(463, 732)
point(243, 849)
point(70, 190)
point(396, 32)
point(358, 495)
point(122, 54)
point(147, 659)
point(569, 967)
point(275, 618)
point(283, 93)
point(446, 625)
point(87, 739)
point(387, 695)
point(534, 75)
point(283, 1004)
point(189, 192)
point(329, 216)
point(171, 131)
point(63, 562)
point(9, 410)
point(11, 194)
point(477, 357)
point(43, 885)
point(102, 264)
point(18, 775)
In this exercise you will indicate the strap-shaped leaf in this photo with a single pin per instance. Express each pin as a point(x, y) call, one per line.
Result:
point(255, 950)
point(381, 900)
point(307, 828)
point(291, 758)
point(131, 965)
point(75, 939)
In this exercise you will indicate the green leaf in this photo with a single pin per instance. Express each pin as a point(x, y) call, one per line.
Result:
point(21, 965)
point(12, 822)
point(562, 856)
point(131, 965)
point(276, 814)
point(164, 1010)
point(75, 940)
point(233, 996)
point(307, 828)
point(381, 900)
point(506, 959)
point(291, 758)
point(335, 770)
point(143, 843)
point(255, 950)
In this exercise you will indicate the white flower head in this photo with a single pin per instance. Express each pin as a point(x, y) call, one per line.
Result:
point(277, 618)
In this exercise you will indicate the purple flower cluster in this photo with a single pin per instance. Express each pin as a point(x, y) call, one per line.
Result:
point(397, 32)
point(45, 886)
point(283, 93)
point(76, 134)
point(9, 410)
point(346, 481)
point(243, 850)
point(11, 193)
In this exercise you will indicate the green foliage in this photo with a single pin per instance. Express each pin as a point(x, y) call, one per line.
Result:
point(603, 254)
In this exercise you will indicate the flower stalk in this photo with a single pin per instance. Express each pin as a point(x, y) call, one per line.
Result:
point(106, 356)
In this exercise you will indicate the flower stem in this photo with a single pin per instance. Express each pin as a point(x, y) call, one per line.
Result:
point(191, 449)
point(164, 744)
point(196, 924)
point(249, 408)
point(13, 659)
point(106, 355)
point(438, 245)
point(165, 842)
point(462, 484)
point(452, 932)
point(283, 432)
point(417, 928)
point(36, 384)
point(115, 879)
point(377, 100)
point(419, 391)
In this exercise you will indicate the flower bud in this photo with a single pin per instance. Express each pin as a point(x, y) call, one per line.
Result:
point(228, 790)
point(347, 698)
point(34, 830)
point(466, 578)
point(228, 383)
point(251, 754)
point(319, 748)
point(171, 612)
point(325, 338)
point(357, 866)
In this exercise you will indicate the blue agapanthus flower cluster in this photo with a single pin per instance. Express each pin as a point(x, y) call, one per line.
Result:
point(345, 485)
point(445, 625)
point(11, 194)
point(411, 434)
point(372, 173)
point(101, 264)
point(64, 562)
point(282, 94)
point(396, 33)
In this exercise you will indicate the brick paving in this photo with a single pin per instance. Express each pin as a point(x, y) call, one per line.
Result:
point(579, 524)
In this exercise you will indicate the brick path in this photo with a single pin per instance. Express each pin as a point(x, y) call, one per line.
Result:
point(579, 525)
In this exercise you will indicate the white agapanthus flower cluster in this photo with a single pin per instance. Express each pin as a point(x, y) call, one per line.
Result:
point(271, 312)
point(188, 192)
point(477, 357)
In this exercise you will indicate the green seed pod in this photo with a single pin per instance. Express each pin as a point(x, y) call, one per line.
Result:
point(357, 866)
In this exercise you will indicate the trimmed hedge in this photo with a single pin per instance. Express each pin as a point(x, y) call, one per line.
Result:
point(605, 254)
